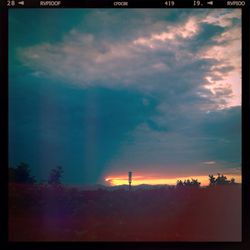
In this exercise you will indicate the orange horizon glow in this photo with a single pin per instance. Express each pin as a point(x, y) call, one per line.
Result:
point(149, 180)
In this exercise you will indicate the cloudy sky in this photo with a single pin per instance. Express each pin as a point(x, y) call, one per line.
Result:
point(103, 92)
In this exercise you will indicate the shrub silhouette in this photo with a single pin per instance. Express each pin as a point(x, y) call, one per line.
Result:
point(188, 183)
point(232, 181)
point(21, 174)
point(179, 184)
point(220, 180)
point(55, 176)
point(195, 183)
point(212, 180)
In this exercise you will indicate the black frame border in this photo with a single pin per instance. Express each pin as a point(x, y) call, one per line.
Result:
point(245, 244)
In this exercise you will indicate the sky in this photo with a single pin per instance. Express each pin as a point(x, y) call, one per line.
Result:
point(102, 92)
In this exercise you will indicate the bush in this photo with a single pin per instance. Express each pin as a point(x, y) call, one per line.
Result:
point(55, 176)
point(21, 174)
point(220, 180)
point(188, 183)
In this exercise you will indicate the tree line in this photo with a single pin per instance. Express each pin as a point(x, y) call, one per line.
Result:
point(22, 174)
point(213, 181)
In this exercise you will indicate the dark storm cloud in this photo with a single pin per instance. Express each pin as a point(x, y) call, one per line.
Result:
point(71, 127)
point(120, 88)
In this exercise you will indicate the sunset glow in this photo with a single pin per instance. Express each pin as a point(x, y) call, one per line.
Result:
point(153, 180)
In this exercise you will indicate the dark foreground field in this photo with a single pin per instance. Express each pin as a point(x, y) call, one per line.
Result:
point(46, 213)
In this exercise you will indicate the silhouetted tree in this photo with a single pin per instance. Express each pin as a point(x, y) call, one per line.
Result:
point(192, 183)
point(195, 183)
point(232, 181)
point(55, 176)
point(179, 184)
point(188, 183)
point(220, 180)
point(21, 174)
point(212, 180)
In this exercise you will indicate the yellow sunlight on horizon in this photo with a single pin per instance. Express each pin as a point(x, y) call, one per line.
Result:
point(138, 180)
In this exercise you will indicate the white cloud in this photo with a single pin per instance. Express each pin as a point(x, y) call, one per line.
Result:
point(228, 56)
point(222, 19)
point(156, 57)
point(186, 31)
point(209, 162)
